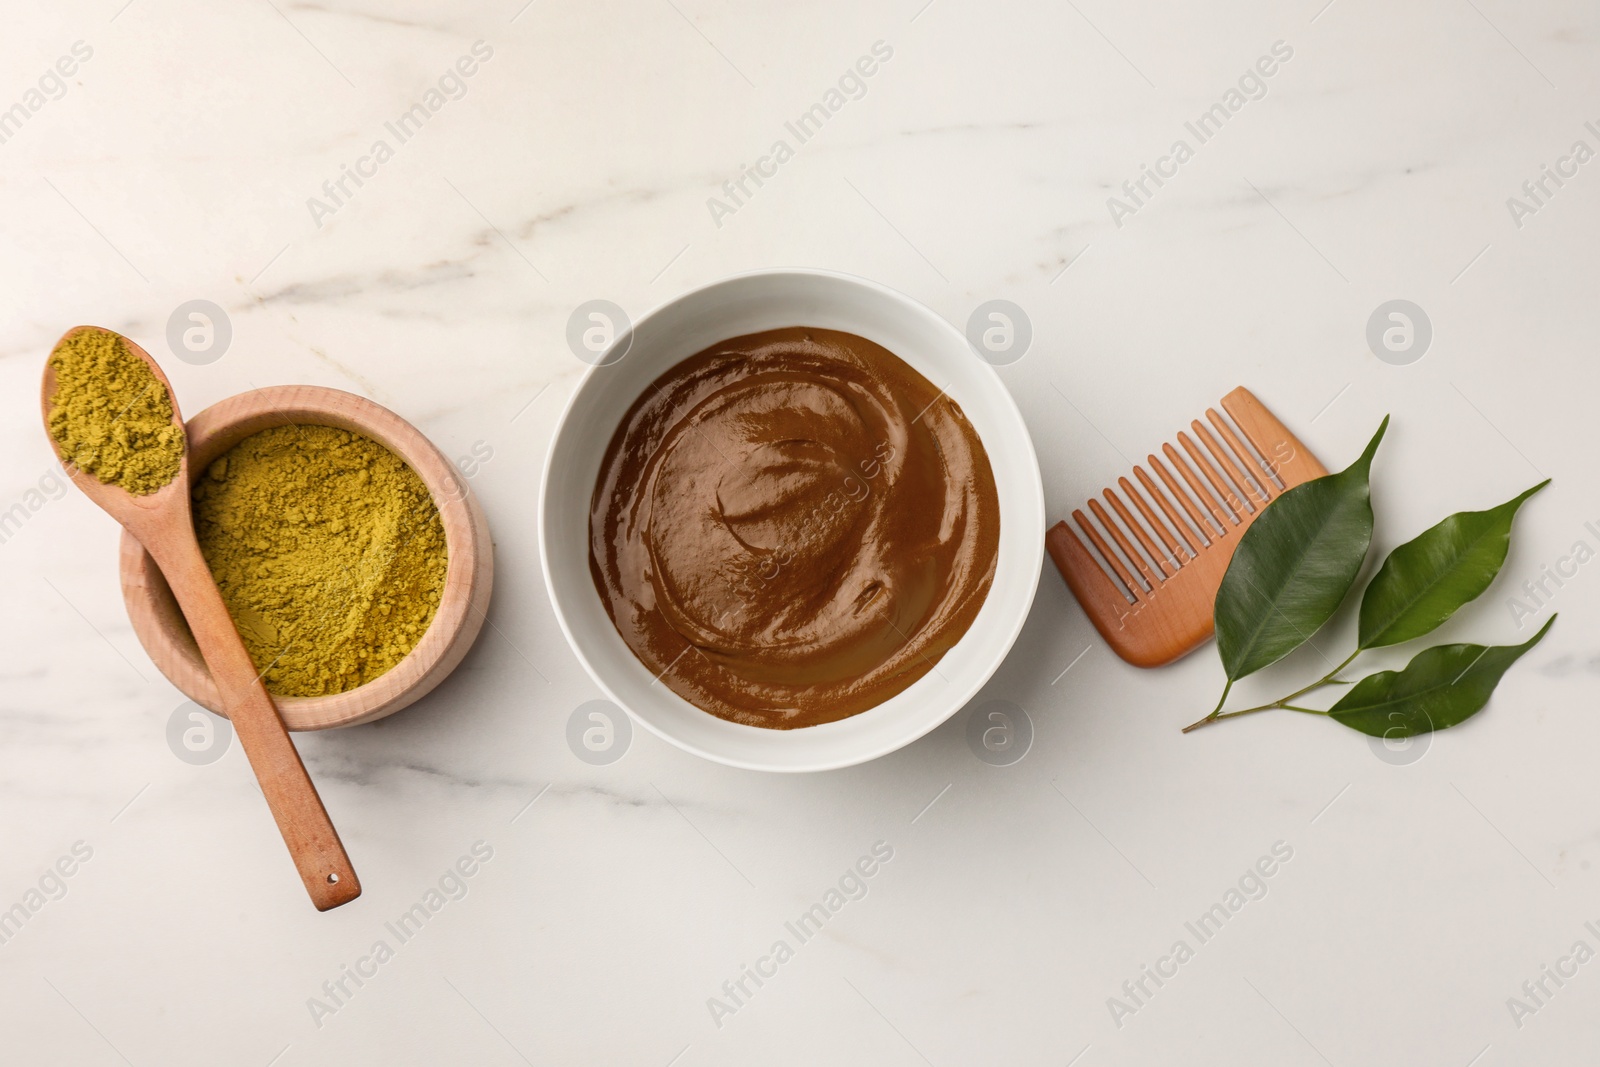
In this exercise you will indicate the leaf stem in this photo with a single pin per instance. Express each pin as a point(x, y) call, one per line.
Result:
point(1326, 679)
point(1217, 717)
point(1282, 702)
point(1214, 711)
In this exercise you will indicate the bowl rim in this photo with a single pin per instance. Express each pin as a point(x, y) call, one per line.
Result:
point(469, 575)
point(898, 740)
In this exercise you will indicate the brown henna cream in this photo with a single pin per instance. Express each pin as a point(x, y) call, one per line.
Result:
point(792, 526)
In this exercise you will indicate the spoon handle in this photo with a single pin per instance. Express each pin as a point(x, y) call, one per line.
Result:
point(313, 842)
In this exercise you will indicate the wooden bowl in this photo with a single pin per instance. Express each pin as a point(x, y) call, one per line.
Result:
point(469, 578)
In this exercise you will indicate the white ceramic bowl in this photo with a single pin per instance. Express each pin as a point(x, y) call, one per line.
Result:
point(743, 304)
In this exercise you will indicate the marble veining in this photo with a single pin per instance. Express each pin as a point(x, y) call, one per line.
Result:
point(177, 163)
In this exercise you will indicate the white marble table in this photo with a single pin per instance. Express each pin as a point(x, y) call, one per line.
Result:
point(177, 162)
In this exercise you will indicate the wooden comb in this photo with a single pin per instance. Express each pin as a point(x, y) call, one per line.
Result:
point(1159, 606)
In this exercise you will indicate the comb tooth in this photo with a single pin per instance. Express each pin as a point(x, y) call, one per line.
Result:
point(1133, 587)
point(1202, 528)
point(1231, 507)
point(1102, 598)
point(1174, 554)
point(1230, 469)
point(1286, 457)
point(1199, 490)
point(1263, 487)
point(1156, 555)
point(1129, 553)
point(1172, 516)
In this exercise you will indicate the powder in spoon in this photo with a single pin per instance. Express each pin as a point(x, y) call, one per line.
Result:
point(110, 414)
point(329, 553)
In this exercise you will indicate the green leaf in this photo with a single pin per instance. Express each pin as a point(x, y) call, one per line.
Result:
point(1293, 567)
point(1425, 580)
point(1440, 687)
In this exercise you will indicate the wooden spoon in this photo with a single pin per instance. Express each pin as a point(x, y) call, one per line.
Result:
point(162, 523)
